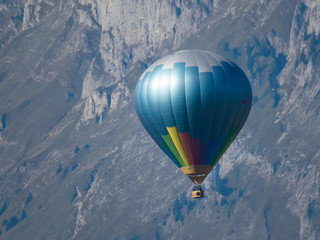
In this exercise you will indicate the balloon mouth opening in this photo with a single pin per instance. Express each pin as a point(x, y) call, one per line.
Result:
point(197, 173)
point(197, 178)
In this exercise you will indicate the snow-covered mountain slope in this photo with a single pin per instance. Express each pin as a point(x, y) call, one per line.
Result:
point(75, 162)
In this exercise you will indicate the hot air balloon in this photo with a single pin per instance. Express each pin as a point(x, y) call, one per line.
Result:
point(193, 104)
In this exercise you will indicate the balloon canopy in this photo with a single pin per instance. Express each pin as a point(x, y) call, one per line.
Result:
point(193, 104)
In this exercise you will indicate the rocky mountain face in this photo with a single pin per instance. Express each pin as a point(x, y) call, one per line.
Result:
point(75, 162)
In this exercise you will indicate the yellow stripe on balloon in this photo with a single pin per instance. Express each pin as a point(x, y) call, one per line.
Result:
point(173, 132)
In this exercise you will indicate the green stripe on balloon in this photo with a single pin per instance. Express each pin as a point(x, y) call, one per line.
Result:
point(175, 155)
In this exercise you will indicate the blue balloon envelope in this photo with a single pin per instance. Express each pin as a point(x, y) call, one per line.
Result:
point(193, 104)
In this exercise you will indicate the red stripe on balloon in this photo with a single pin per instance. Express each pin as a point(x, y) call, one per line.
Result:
point(196, 150)
point(187, 146)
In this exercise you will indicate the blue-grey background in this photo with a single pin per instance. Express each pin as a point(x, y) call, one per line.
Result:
point(75, 162)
